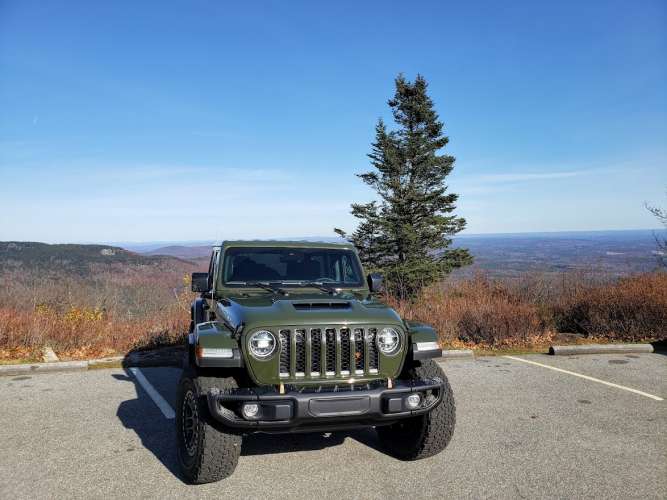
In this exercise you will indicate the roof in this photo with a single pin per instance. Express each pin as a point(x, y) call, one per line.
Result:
point(285, 244)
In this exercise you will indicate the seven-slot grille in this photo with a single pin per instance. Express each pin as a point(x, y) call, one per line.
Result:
point(327, 351)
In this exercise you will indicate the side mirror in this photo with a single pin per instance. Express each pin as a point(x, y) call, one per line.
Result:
point(200, 282)
point(375, 282)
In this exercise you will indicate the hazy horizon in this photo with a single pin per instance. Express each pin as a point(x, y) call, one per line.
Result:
point(465, 234)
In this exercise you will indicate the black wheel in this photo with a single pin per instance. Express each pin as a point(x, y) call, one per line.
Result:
point(207, 451)
point(425, 435)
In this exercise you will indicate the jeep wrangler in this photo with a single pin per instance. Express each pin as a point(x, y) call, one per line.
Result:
point(289, 337)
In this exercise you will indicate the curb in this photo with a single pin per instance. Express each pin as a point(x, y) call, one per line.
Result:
point(105, 361)
point(167, 357)
point(457, 354)
point(566, 350)
point(54, 366)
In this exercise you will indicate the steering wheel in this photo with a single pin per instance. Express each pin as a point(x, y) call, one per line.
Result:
point(325, 279)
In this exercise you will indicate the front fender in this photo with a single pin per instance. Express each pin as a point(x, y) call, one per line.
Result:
point(424, 342)
point(214, 346)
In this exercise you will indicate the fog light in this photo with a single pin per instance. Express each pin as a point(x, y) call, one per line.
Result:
point(250, 410)
point(413, 401)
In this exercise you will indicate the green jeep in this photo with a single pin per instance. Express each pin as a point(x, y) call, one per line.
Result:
point(288, 337)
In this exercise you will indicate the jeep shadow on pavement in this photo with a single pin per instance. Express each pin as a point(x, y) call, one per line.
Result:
point(136, 414)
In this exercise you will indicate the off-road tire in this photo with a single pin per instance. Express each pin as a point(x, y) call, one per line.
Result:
point(425, 435)
point(210, 451)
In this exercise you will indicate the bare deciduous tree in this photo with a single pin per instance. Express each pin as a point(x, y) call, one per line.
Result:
point(661, 215)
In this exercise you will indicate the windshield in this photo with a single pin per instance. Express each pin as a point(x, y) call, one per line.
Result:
point(291, 266)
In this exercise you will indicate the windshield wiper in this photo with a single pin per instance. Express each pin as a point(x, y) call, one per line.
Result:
point(319, 285)
point(264, 285)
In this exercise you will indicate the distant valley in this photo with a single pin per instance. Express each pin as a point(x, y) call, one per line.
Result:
point(612, 253)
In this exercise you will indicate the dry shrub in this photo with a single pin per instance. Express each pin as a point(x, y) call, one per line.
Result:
point(74, 336)
point(114, 311)
point(631, 309)
point(531, 309)
point(476, 311)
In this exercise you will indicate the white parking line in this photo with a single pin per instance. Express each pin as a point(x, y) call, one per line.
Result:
point(161, 403)
point(586, 377)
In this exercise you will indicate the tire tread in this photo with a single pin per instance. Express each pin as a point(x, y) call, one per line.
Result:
point(430, 433)
point(220, 447)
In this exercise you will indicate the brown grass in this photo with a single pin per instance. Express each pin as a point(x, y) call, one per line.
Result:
point(531, 311)
point(632, 309)
point(117, 311)
point(81, 334)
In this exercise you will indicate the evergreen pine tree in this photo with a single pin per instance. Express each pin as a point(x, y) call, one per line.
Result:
point(406, 234)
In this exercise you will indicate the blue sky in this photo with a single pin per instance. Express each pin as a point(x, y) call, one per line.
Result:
point(137, 121)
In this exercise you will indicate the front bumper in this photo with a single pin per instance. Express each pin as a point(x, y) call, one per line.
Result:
point(323, 408)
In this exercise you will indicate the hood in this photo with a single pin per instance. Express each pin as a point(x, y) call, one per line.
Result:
point(299, 308)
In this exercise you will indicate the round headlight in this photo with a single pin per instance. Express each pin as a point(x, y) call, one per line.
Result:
point(262, 344)
point(388, 341)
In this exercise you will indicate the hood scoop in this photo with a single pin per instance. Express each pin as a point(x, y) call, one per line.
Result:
point(319, 306)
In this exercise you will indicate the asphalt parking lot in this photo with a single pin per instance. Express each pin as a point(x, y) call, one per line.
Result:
point(596, 428)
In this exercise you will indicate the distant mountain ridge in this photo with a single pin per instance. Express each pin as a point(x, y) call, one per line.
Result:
point(182, 251)
point(76, 258)
point(200, 251)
